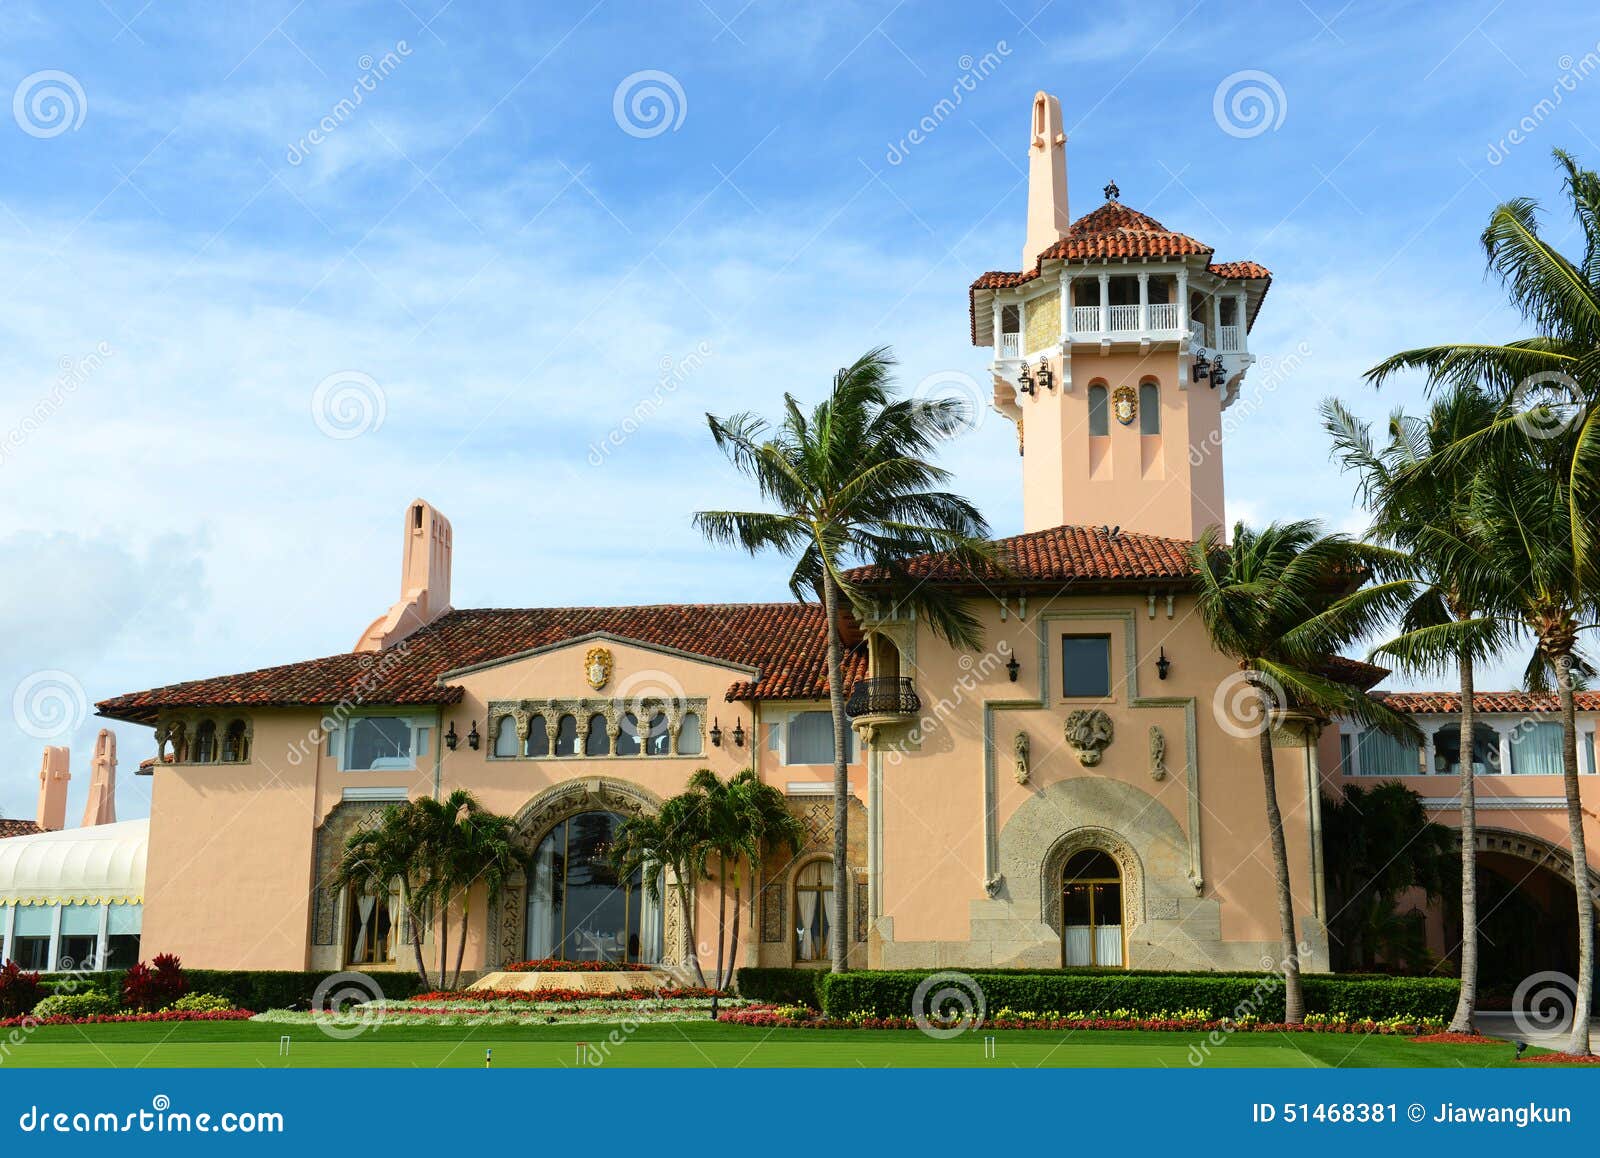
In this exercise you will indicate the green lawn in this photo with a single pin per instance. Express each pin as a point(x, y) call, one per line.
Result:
point(228, 1044)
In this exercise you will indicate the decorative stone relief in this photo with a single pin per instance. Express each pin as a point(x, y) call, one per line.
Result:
point(1089, 731)
point(1019, 747)
point(343, 821)
point(523, 712)
point(1158, 753)
point(1163, 908)
point(772, 914)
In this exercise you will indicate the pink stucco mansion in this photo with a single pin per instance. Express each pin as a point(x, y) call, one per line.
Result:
point(1075, 794)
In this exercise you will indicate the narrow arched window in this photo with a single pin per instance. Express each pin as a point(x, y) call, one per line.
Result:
point(236, 744)
point(205, 742)
point(538, 737)
point(567, 736)
point(1149, 408)
point(505, 737)
point(658, 737)
point(1099, 412)
point(628, 737)
point(598, 741)
point(689, 739)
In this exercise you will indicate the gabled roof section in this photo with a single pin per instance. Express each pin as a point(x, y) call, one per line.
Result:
point(782, 645)
point(1060, 555)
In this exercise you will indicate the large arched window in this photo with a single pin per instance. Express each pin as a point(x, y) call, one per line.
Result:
point(689, 740)
point(813, 911)
point(1091, 910)
point(205, 742)
point(628, 737)
point(1149, 408)
point(505, 737)
point(567, 736)
point(578, 908)
point(1099, 411)
point(598, 741)
point(538, 737)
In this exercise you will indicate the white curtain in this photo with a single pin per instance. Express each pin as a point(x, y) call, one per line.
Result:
point(807, 901)
point(1078, 944)
point(541, 902)
point(650, 924)
point(358, 944)
point(1108, 945)
point(830, 910)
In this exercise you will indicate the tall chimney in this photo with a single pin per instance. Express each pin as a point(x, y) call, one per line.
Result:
point(424, 579)
point(53, 777)
point(1048, 217)
point(102, 804)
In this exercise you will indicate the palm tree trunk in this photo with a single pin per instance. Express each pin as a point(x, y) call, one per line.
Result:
point(1578, 1042)
point(414, 919)
point(1467, 1000)
point(838, 943)
point(444, 938)
point(733, 939)
point(461, 942)
point(687, 909)
point(722, 914)
point(1294, 1004)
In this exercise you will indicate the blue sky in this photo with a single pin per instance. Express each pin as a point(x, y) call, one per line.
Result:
point(485, 255)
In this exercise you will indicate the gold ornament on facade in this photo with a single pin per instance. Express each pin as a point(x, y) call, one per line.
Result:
point(1125, 404)
point(597, 667)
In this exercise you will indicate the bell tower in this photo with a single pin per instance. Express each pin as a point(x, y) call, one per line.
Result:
point(1117, 346)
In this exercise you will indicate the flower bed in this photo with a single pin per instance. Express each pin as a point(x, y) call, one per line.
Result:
point(29, 1021)
point(1201, 1020)
point(515, 1007)
point(1458, 1039)
point(554, 965)
point(556, 995)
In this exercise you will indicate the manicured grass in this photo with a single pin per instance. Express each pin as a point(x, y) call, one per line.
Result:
point(231, 1044)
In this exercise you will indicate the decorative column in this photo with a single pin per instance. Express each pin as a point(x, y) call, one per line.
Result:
point(1505, 748)
point(999, 314)
point(1066, 310)
point(1105, 303)
point(1429, 755)
point(8, 914)
point(1183, 298)
point(1144, 302)
point(55, 938)
point(1216, 321)
point(102, 941)
point(1241, 300)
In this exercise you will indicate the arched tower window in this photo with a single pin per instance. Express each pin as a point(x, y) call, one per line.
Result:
point(689, 740)
point(505, 737)
point(236, 743)
point(658, 738)
point(567, 736)
point(628, 737)
point(1149, 408)
point(205, 742)
point(598, 741)
point(1099, 411)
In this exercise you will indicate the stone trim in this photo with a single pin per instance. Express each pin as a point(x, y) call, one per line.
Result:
point(581, 709)
point(1100, 840)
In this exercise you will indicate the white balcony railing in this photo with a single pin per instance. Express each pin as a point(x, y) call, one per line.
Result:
point(1086, 319)
point(1010, 345)
point(1230, 339)
point(1164, 316)
point(1124, 318)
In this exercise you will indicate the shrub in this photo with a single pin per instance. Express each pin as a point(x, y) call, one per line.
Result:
point(781, 986)
point(200, 1003)
point(75, 1005)
point(263, 989)
point(19, 990)
point(890, 994)
point(155, 986)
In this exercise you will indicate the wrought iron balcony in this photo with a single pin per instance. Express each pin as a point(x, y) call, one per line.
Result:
point(891, 696)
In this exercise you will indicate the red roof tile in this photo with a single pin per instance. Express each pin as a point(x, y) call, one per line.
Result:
point(17, 828)
point(1447, 703)
point(1062, 554)
point(785, 642)
point(1239, 269)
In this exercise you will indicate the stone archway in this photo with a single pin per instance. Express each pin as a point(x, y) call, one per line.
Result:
point(1084, 839)
point(1537, 851)
point(536, 818)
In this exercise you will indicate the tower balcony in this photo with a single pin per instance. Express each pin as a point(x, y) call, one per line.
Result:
point(891, 696)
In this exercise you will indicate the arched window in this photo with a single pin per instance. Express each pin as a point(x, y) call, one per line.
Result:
point(598, 741)
point(813, 911)
point(1091, 910)
point(505, 737)
point(578, 907)
point(1099, 411)
point(567, 736)
point(371, 927)
point(690, 742)
point(1485, 750)
point(628, 738)
point(205, 742)
point(1149, 408)
point(236, 743)
point(538, 737)
point(657, 740)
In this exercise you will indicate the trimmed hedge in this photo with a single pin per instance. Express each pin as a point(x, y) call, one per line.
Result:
point(255, 990)
point(890, 994)
point(781, 986)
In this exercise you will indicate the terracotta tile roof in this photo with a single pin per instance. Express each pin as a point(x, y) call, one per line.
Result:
point(1354, 671)
point(785, 642)
point(17, 828)
point(1447, 703)
point(1113, 232)
point(1062, 554)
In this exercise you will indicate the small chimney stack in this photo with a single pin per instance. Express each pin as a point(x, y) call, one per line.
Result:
point(53, 778)
point(424, 579)
point(102, 804)
point(1048, 216)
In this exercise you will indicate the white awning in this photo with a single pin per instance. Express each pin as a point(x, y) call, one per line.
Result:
point(100, 865)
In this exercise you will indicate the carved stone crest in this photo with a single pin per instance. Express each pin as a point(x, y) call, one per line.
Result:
point(597, 667)
point(1019, 747)
point(1090, 732)
point(1158, 754)
point(1125, 404)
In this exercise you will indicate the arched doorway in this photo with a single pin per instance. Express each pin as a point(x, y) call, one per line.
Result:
point(1091, 911)
point(578, 907)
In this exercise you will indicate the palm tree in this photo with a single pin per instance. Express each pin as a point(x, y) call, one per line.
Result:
point(1442, 629)
point(672, 842)
point(393, 850)
point(1279, 601)
point(480, 850)
point(851, 483)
